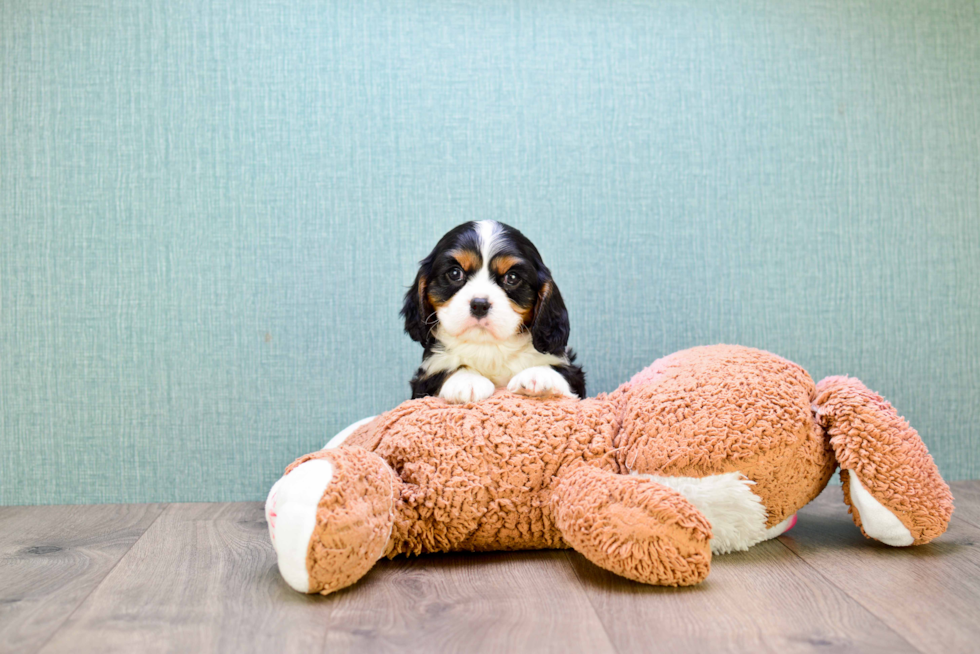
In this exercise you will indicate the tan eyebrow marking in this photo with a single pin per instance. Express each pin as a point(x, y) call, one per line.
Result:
point(504, 263)
point(468, 259)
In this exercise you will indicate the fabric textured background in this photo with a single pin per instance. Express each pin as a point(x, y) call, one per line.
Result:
point(209, 211)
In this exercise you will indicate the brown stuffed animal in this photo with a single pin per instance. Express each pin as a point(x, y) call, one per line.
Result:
point(708, 450)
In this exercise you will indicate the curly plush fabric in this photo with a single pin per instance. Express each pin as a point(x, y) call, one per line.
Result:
point(481, 479)
point(724, 408)
point(887, 455)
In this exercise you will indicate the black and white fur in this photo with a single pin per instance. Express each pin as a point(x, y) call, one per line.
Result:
point(488, 314)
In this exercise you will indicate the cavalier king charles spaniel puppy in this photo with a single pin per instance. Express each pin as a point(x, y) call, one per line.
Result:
point(488, 314)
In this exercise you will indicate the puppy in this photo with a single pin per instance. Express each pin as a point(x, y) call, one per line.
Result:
point(488, 314)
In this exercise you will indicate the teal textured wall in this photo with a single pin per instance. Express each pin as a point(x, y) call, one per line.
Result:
point(210, 210)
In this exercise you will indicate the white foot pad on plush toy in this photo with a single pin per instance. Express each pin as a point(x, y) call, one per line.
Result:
point(290, 511)
point(736, 514)
point(878, 522)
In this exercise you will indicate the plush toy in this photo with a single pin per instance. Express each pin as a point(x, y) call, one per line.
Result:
point(707, 451)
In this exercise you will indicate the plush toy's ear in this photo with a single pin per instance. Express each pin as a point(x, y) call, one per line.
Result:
point(549, 328)
point(417, 311)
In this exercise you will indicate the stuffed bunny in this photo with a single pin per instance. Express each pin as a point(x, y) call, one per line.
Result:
point(707, 451)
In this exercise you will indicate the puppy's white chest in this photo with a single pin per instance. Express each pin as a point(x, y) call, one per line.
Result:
point(498, 361)
point(497, 366)
point(493, 362)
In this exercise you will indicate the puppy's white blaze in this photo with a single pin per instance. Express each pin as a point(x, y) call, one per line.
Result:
point(878, 522)
point(488, 231)
point(736, 514)
point(290, 511)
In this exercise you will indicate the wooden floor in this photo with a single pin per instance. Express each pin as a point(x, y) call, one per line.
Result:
point(203, 577)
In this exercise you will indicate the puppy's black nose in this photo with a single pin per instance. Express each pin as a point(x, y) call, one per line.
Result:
point(479, 307)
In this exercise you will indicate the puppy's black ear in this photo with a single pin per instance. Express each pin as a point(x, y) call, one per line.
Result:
point(417, 310)
point(549, 328)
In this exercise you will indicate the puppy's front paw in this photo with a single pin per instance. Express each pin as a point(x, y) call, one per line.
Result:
point(465, 386)
point(539, 381)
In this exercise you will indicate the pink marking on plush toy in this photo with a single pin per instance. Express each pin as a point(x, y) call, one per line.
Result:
point(273, 514)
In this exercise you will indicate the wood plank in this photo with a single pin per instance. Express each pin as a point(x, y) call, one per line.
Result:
point(495, 602)
point(51, 557)
point(966, 499)
point(764, 599)
point(928, 594)
point(202, 578)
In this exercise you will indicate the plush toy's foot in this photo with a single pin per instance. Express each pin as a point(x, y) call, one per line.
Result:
point(892, 487)
point(634, 527)
point(330, 518)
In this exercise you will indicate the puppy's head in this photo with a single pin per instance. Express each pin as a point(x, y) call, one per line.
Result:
point(485, 282)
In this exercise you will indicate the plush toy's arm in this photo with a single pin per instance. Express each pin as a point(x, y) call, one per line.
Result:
point(632, 526)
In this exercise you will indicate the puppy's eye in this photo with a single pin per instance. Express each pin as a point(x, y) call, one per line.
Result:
point(455, 274)
point(511, 279)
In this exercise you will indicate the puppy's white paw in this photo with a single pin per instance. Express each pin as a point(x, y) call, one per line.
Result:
point(465, 386)
point(539, 381)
